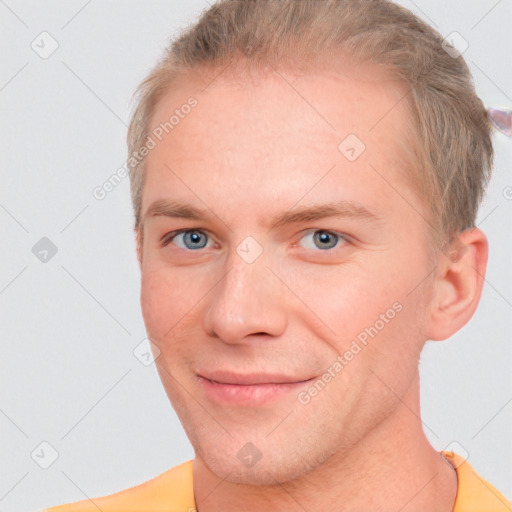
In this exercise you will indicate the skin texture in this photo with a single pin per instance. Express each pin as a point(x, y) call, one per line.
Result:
point(250, 150)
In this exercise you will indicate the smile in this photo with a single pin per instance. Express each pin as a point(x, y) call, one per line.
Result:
point(246, 390)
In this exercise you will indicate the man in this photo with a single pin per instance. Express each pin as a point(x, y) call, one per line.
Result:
point(305, 179)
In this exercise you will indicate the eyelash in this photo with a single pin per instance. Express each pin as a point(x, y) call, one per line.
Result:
point(344, 239)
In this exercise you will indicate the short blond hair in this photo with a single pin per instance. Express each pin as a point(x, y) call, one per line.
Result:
point(453, 148)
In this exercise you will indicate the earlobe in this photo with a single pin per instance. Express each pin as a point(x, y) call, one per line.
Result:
point(458, 283)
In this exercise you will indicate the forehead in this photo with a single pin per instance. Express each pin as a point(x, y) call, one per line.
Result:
point(330, 101)
point(276, 129)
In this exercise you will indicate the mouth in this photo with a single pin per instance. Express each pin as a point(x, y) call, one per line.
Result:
point(249, 389)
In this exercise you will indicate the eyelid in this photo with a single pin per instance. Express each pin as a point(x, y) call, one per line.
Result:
point(171, 235)
point(346, 239)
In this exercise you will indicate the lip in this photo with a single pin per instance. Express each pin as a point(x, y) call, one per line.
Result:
point(249, 389)
point(246, 379)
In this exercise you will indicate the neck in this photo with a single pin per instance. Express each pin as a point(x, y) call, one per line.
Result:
point(393, 468)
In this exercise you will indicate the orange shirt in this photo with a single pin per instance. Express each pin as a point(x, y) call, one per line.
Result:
point(172, 491)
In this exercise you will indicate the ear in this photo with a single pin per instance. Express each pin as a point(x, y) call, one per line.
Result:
point(458, 283)
point(138, 243)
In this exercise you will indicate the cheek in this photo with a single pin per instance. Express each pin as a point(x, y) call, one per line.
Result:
point(373, 305)
point(170, 301)
point(158, 302)
point(348, 299)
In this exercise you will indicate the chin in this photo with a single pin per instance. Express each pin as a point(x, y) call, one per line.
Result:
point(263, 473)
point(275, 464)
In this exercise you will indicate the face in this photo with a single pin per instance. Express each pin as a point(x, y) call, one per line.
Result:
point(280, 340)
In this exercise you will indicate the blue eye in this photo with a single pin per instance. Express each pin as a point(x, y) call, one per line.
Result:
point(323, 239)
point(191, 239)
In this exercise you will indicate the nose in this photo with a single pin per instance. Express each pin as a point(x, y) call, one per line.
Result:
point(247, 301)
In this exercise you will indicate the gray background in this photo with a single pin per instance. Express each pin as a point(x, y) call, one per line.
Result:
point(70, 325)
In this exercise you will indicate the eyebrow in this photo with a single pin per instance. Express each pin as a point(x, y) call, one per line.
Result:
point(343, 209)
